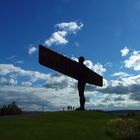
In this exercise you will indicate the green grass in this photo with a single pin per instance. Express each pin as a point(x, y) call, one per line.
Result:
point(86, 125)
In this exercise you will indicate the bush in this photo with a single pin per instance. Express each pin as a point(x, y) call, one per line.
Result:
point(10, 109)
point(124, 129)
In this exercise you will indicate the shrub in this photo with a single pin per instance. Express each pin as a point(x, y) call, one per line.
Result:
point(124, 129)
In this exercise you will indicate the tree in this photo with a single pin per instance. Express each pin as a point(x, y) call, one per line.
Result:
point(10, 109)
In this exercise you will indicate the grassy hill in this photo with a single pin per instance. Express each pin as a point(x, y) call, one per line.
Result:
point(86, 125)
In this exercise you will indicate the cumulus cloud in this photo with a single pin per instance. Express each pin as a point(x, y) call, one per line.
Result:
point(114, 97)
point(13, 71)
point(123, 85)
point(9, 68)
point(113, 102)
point(133, 62)
point(7, 82)
point(71, 27)
point(32, 50)
point(99, 68)
point(89, 64)
point(32, 98)
point(27, 97)
point(60, 81)
point(121, 92)
point(54, 80)
point(124, 51)
point(61, 91)
point(110, 101)
point(59, 37)
point(95, 67)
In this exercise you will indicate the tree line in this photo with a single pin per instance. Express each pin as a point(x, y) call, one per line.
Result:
point(10, 109)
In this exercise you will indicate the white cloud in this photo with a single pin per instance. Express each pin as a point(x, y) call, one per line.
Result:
point(124, 51)
point(32, 50)
point(54, 81)
point(7, 82)
point(11, 70)
point(71, 27)
point(89, 64)
point(61, 91)
point(64, 29)
point(59, 81)
point(27, 84)
point(133, 62)
point(31, 98)
point(57, 38)
point(113, 102)
point(99, 68)
point(13, 81)
point(94, 67)
point(66, 87)
point(123, 85)
point(36, 76)
point(124, 74)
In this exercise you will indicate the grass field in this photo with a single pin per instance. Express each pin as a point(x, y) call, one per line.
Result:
point(86, 125)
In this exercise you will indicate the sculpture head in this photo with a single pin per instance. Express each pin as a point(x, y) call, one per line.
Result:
point(81, 59)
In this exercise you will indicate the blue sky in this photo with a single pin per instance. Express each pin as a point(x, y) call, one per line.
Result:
point(106, 33)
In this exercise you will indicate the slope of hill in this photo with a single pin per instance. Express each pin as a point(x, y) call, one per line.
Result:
point(86, 125)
